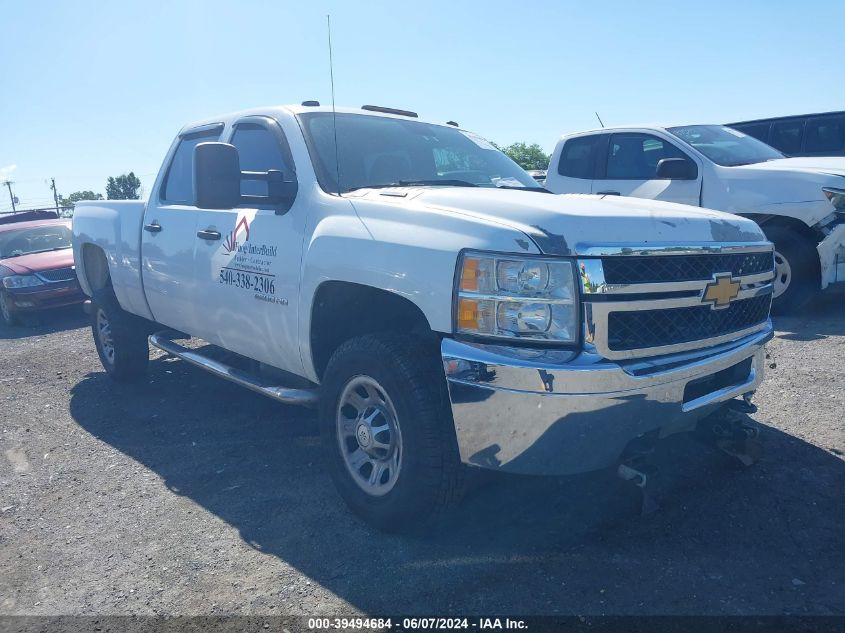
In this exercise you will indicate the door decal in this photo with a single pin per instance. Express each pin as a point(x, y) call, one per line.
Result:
point(247, 265)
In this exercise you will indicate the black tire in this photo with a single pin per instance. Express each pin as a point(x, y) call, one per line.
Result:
point(430, 475)
point(802, 261)
point(129, 353)
point(7, 312)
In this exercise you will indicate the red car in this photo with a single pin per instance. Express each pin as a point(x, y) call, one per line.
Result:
point(36, 268)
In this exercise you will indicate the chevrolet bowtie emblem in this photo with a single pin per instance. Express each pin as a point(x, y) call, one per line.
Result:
point(721, 291)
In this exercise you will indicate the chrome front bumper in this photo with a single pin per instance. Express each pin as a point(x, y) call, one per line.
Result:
point(559, 413)
point(832, 257)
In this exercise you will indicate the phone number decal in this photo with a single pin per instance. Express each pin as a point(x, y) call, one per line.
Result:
point(260, 283)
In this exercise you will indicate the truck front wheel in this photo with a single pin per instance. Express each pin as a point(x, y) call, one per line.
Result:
point(796, 270)
point(120, 338)
point(387, 430)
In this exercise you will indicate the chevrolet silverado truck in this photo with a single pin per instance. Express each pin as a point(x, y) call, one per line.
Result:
point(440, 309)
point(799, 202)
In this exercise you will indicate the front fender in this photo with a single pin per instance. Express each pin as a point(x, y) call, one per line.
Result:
point(390, 250)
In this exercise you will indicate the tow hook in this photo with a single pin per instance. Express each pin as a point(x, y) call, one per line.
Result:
point(636, 468)
point(733, 432)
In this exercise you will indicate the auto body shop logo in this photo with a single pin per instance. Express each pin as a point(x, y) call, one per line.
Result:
point(231, 243)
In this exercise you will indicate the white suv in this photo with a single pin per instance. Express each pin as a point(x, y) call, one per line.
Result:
point(799, 202)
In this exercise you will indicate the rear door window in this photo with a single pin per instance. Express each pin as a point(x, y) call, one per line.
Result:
point(788, 135)
point(178, 185)
point(578, 156)
point(826, 135)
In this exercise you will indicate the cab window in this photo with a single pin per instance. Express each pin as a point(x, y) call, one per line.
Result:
point(634, 156)
point(578, 157)
point(259, 149)
point(178, 184)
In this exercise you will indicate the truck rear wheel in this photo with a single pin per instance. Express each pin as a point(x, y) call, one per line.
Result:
point(796, 270)
point(387, 430)
point(120, 338)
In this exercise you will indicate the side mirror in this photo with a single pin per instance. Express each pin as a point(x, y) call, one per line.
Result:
point(676, 169)
point(217, 176)
point(280, 192)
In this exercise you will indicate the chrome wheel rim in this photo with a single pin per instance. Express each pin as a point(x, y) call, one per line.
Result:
point(105, 336)
point(783, 275)
point(369, 437)
point(4, 308)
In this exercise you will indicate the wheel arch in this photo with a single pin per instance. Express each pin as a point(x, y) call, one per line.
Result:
point(94, 273)
point(768, 220)
point(341, 310)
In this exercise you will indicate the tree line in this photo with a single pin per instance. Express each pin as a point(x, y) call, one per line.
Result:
point(123, 187)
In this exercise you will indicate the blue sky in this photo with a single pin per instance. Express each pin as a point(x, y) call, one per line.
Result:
point(92, 89)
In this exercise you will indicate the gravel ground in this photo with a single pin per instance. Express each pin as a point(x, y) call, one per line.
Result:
point(188, 495)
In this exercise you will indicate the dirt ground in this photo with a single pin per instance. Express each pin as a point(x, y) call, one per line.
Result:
point(188, 495)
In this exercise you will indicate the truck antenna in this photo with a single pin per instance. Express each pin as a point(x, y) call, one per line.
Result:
point(334, 113)
point(599, 118)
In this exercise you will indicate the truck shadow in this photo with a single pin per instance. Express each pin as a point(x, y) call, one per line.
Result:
point(48, 322)
point(727, 538)
point(824, 317)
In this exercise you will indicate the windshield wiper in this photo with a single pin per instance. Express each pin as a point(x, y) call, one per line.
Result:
point(538, 189)
point(417, 183)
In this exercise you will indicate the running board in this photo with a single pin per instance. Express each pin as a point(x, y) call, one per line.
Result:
point(304, 397)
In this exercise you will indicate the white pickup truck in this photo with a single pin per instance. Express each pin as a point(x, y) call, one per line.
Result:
point(799, 202)
point(440, 308)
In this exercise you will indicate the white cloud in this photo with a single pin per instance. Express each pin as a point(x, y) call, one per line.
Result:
point(6, 172)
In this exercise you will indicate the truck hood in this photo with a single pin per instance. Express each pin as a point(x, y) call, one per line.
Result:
point(569, 224)
point(790, 187)
point(832, 165)
point(39, 262)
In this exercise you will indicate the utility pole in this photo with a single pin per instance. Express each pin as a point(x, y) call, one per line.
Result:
point(9, 184)
point(55, 195)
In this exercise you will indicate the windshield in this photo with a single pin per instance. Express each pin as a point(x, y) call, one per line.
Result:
point(726, 146)
point(37, 239)
point(379, 151)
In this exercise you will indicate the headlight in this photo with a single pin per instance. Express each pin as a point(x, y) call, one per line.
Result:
point(836, 197)
point(21, 281)
point(503, 296)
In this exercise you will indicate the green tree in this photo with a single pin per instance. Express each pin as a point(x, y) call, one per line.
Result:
point(77, 196)
point(124, 187)
point(527, 156)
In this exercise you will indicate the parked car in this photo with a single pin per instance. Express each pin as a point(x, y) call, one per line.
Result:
point(36, 267)
point(437, 306)
point(538, 174)
point(802, 135)
point(799, 202)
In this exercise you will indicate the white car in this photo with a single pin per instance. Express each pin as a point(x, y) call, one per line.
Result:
point(438, 306)
point(799, 202)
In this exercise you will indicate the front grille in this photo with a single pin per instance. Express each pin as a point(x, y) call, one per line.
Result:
point(59, 274)
point(636, 269)
point(639, 329)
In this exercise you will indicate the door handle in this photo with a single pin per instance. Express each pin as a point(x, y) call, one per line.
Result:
point(209, 234)
point(153, 227)
point(607, 193)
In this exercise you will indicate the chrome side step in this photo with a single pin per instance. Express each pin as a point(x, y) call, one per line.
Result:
point(304, 397)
